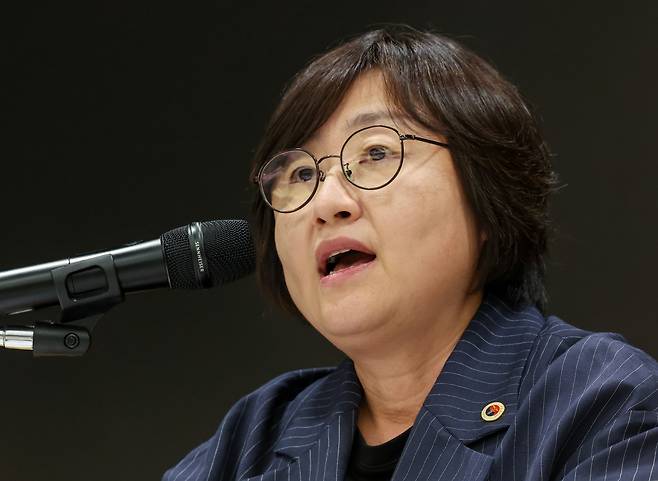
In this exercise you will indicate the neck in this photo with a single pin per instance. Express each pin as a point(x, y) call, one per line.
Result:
point(397, 382)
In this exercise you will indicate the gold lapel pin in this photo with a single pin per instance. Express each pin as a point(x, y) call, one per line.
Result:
point(493, 411)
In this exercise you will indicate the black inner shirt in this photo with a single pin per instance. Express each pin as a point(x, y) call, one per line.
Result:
point(374, 463)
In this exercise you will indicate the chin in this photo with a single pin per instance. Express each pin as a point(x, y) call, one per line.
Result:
point(348, 320)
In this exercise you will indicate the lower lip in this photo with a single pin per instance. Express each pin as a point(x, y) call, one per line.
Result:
point(344, 274)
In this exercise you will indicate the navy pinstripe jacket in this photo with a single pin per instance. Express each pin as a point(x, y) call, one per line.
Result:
point(578, 406)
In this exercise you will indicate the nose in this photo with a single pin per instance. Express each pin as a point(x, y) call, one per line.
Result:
point(335, 200)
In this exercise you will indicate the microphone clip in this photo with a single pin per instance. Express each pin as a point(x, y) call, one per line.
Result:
point(86, 290)
point(87, 287)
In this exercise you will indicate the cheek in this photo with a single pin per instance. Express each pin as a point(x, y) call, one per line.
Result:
point(433, 226)
point(289, 248)
point(282, 243)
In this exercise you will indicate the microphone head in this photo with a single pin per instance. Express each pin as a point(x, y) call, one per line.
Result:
point(206, 254)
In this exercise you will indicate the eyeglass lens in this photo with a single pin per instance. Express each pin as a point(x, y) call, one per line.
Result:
point(370, 159)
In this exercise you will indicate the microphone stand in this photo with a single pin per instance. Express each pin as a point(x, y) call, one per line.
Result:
point(82, 302)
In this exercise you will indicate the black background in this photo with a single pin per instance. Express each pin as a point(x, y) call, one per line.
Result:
point(123, 120)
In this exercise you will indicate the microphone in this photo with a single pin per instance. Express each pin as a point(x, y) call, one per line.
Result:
point(199, 255)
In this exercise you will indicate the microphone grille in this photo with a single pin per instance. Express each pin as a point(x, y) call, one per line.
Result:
point(178, 258)
point(229, 253)
point(229, 249)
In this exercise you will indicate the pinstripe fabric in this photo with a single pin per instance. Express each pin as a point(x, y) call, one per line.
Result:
point(578, 406)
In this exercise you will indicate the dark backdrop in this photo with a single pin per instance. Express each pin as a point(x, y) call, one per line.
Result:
point(126, 120)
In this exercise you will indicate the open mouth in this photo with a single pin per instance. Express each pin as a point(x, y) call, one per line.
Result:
point(345, 259)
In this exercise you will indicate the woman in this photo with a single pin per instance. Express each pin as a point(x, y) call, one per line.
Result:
point(403, 213)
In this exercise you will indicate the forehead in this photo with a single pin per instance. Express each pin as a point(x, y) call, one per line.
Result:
point(365, 104)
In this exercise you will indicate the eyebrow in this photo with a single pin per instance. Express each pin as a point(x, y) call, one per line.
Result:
point(367, 118)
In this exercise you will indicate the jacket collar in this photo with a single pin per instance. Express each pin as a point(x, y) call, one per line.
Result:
point(485, 366)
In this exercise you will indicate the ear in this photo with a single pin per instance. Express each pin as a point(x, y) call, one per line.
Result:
point(484, 236)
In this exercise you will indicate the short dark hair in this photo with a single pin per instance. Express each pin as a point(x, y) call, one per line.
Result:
point(495, 142)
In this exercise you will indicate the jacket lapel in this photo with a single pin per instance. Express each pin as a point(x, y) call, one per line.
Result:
point(432, 453)
point(319, 432)
point(485, 366)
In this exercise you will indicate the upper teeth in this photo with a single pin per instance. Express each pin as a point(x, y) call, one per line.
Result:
point(334, 254)
point(332, 261)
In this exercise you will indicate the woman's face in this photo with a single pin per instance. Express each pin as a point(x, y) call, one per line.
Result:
point(419, 228)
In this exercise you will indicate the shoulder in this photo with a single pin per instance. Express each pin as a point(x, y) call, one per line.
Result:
point(283, 390)
point(566, 357)
point(252, 426)
point(587, 400)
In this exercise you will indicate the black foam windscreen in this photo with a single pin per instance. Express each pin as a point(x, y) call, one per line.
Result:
point(229, 252)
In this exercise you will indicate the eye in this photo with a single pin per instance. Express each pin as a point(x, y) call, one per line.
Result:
point(376, 153)
point(302, 174)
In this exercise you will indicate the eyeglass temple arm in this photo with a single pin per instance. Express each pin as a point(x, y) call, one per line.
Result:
point(422, 139)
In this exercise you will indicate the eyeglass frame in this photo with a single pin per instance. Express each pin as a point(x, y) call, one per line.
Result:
point(321, 176)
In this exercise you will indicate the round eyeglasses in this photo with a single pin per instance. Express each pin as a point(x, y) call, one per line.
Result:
point(369, 159)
